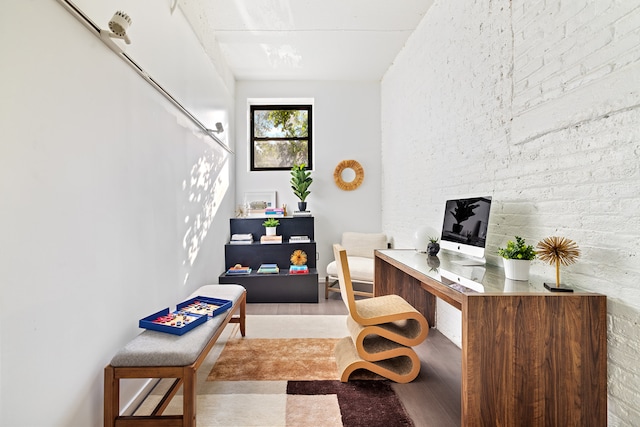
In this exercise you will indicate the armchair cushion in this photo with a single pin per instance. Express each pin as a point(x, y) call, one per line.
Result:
point(361, 269)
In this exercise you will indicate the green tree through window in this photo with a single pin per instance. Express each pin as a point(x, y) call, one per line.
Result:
point(280, 136)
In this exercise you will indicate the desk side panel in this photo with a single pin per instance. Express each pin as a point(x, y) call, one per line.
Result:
point(389, 280)
point(534, 360)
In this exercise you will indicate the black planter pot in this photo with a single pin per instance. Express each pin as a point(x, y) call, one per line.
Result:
point(433, 248)
point(302, 206)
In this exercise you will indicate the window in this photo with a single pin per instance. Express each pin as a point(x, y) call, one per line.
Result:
point(280, 137)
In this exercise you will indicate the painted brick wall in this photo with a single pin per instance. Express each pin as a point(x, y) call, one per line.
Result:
point(536, 103)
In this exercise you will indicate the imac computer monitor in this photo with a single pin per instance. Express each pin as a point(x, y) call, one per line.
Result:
point(464, 230)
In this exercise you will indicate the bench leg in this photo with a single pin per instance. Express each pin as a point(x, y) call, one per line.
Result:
point(243, 314)
point(111, 397)
point(189, 398)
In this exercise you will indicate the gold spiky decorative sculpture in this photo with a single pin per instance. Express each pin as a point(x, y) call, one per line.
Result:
point(298, 257)
point(558, 250)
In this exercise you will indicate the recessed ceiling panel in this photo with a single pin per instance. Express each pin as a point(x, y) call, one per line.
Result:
point(308, 39)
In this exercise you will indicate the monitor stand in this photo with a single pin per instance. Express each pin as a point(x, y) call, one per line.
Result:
point(459, 259)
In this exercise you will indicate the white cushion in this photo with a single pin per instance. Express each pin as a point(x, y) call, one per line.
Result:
point(361, 268)
point(363, 244)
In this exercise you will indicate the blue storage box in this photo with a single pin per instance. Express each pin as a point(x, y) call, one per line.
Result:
point(205, 306)
point(162, 322)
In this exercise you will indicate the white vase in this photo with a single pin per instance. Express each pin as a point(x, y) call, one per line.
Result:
point(271, 231)
point(516, 269)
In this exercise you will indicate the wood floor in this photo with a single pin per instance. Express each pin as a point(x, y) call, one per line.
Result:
point(432, 399)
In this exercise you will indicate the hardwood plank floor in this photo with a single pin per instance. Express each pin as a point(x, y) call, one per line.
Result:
point(432, 399)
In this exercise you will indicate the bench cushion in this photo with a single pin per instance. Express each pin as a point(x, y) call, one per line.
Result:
point(361, 269)
point(153, 348)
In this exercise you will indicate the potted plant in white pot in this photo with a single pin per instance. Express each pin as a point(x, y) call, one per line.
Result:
point(517, 257)
point(300, 182)
point(270, 226)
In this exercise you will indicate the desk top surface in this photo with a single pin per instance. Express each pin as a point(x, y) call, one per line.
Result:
point(452, 272)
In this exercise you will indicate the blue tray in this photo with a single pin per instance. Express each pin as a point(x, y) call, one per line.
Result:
point(151, 322)
point(215, 306)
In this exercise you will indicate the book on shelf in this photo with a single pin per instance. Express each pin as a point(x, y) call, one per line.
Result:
point(268, 269)
point(299, 239)
point(241, 239)
point(245, 236)
point(274, 212)
point(239, 270)
point(271, 239)
point(302, 213)
point(256, 213)
point(298, 269)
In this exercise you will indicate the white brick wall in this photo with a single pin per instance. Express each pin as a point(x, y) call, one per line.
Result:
point(536, 103)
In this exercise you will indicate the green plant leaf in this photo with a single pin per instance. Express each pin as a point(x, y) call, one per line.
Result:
point(300, 181)
point(517, 250)
point(271, 222)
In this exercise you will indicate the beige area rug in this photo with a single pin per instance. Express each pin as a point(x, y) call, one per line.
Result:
point(255, 381)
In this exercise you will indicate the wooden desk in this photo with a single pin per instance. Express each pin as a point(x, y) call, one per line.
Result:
point(529, 357)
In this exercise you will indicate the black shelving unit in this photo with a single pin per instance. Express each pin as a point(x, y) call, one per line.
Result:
point(281, 287)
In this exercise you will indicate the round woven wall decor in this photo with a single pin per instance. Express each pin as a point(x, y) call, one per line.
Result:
point(348, 164)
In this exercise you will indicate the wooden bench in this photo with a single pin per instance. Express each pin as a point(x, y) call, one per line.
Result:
point(155, 354)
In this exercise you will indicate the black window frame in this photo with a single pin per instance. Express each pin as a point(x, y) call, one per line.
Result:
point(253, 138)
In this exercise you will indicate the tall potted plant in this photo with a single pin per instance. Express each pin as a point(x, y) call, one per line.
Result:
point(300, 182)
point(517, 258)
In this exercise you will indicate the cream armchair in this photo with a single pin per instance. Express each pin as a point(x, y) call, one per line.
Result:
point(359, 247)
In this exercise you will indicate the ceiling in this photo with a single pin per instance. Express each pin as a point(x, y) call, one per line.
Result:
point(307, 39)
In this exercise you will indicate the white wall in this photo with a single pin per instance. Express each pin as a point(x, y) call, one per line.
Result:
point(538, 105)
point(346, 125)
point(113, 205)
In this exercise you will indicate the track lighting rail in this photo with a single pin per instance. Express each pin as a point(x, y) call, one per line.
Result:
point(104, 35)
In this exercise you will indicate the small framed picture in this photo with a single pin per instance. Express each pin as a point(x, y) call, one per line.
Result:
point(256, 202)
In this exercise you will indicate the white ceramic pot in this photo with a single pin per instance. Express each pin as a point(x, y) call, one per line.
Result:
point(516, 269)
point(271, 231)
